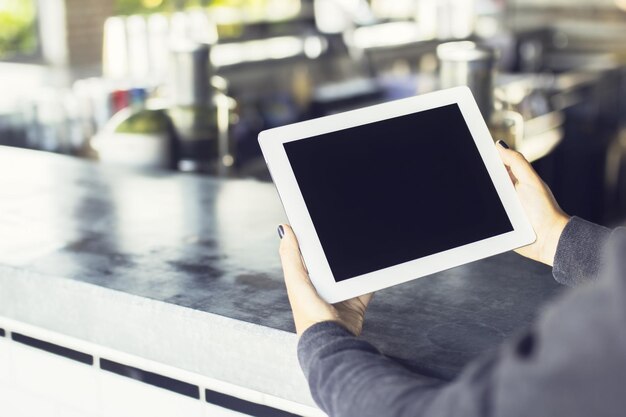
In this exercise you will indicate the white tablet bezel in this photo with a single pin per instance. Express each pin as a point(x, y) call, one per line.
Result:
point(271, 142)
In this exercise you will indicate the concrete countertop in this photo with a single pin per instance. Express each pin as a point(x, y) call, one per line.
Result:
point(183, 270)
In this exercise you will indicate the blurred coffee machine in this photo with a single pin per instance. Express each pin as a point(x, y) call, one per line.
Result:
point(466, 63)
point(469, 64)
point(200, 111)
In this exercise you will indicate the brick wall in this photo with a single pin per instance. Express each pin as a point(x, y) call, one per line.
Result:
point(84, 27)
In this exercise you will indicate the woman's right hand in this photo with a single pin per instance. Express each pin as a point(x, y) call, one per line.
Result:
point(542, 210)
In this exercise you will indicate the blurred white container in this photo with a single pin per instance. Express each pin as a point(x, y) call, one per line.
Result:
point(133, 149)
point(137, 150)
point(136, 48)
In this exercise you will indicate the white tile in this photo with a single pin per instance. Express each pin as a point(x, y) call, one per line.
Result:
point(21, 403)
point(5, 368)
point(124, 397)
point(54, 377)
point(211, 410)
point(68, 411)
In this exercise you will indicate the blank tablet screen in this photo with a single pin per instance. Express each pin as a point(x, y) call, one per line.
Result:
point(397, 190)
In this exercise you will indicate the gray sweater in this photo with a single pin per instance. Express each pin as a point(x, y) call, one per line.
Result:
point(571, 362)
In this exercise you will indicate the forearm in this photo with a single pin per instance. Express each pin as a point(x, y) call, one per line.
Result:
point(348, 377)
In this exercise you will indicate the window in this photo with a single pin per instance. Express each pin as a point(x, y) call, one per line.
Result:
point(18, 29)
point(128, 7)
point(241, 11)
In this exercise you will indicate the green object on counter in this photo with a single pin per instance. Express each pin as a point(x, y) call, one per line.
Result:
point(144, 122)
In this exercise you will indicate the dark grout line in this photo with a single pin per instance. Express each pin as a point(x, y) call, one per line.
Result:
point(243, 406)
point(52, 348)
point(150, 378)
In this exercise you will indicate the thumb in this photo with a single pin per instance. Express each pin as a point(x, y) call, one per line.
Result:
point(296, 276)
point(517, 164)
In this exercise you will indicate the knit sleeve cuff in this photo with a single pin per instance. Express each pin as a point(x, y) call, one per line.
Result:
point(578, 256)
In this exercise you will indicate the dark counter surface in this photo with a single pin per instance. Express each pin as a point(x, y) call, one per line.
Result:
point(211, 246)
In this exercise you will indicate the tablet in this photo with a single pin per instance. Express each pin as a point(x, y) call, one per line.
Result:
point(393, 192)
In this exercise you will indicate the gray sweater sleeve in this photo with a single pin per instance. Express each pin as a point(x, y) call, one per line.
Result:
point(571, 362)
point(579, 254)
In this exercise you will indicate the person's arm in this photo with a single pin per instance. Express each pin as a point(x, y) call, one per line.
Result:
point(349, 377)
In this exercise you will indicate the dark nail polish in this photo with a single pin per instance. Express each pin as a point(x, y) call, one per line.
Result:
point(503, 144)
point(281, 231)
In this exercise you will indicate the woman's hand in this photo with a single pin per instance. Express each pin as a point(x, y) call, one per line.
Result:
point(307, 306)
point(542, 210)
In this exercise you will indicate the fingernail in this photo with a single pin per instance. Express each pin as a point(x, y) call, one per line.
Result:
point(281, 231)
point(503, 144)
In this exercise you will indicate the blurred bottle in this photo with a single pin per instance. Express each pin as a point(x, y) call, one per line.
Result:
point(199, 111)
point(115, 63)
point(158, 35)
point(120, 99)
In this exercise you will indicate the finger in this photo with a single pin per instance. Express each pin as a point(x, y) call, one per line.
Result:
point(517, 165)
point(366, 298)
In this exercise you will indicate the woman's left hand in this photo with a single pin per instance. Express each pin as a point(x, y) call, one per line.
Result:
point(307, 306)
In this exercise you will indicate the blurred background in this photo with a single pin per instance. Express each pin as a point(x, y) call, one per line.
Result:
point(187, 85)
